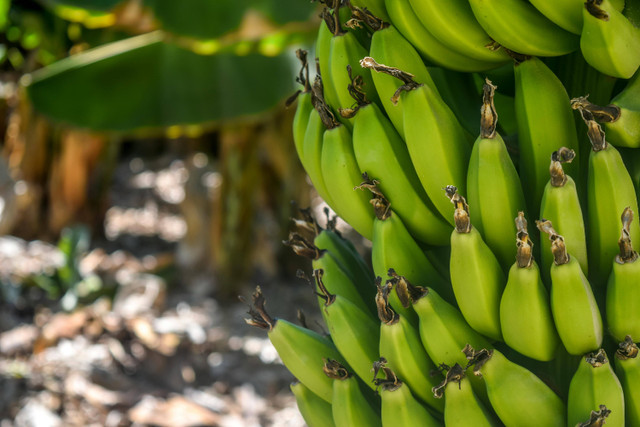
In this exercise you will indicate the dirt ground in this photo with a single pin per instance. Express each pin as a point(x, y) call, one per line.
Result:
point(155, 350)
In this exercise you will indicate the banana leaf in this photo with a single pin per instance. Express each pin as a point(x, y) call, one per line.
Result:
point(145, 82)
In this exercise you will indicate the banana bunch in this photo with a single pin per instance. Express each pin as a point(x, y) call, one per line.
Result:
point(439, 131)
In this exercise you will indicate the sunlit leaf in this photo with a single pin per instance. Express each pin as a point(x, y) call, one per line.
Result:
point(145, 82)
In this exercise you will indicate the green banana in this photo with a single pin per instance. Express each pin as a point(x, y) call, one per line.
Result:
point(323, 53)
point(610, 43)
point(454, 24)
point(493, 186)
point(303, 110)
point(521, 28)
point(476, 276)
point(353, 331)
point(623, 287)
point(561, 206)
point(525, 313)
point(315, 410)
point(393, 247)
point(609, 191)
point(567, 13)
point(388, 46)
point(574, 307)
point(349, 403)
point(518, 396)
point(347, 255)
point(443, 330)
point(462, 407)
point(346, 51)
point(374, 138)
point(433, 50)
point(341, 174)
point(319, 119)
point(594, 384)
point(400, 345)
point(300, 349)
point(627, 365)
point(545, 123)
point(621, 118)
point(399, 407)
point(437, 143)
point(625, 130)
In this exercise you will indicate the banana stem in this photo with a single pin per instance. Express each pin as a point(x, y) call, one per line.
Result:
point(558, 247)
point(596, 359)
point(328, 297)
point(597, 418)
point(357, 93)
point(302, 246)
point(563, 155)
point(593, 7)
point(364, 15)
point(406, 291)
point(334, 370)
point(407, 78)
point(524, 255)
point(627, 254)
point(381, 206)
point(454, 373)
point(627, 349)
point(476, 358)
point(259, 316)
point(461, 214)
point(603, 114)
point(386, 314)
point(390, 382)
point(488, 113)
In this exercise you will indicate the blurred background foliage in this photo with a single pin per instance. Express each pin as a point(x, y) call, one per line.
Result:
point(89, 84)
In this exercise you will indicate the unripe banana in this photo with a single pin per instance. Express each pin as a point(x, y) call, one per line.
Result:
point(520, 27)
point(525, 313)
point(518, 396)
point(609, 190)
point(462, 407)
point(627, 364)
point(388, 46)
point(375, 138)
point(323, 53)
point(350, 406)
point(315, 410)
point(493, 186)
point(354, 332)
point(561, 206)
point(443, 330)
point(567, 13)
point(454, 24)
point(300, 349)
point(623, 287)
point(610, 43)
point(433, 50)
point(436, 141)
point(341, 174)
point(303, 110)
point(476, 276)
point(399, 407)
point(594, 384)
point(346, 51)
point(400, 345)
point(377, 7)
point(393, 247)
point(574, 307)
point(621, 118)
point(545, 123)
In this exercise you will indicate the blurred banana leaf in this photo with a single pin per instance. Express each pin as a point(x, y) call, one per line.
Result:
point(146, 82)
point(200, 19)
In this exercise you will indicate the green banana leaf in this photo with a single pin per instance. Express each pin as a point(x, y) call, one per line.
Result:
point(200, 19)
point(146, 82)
